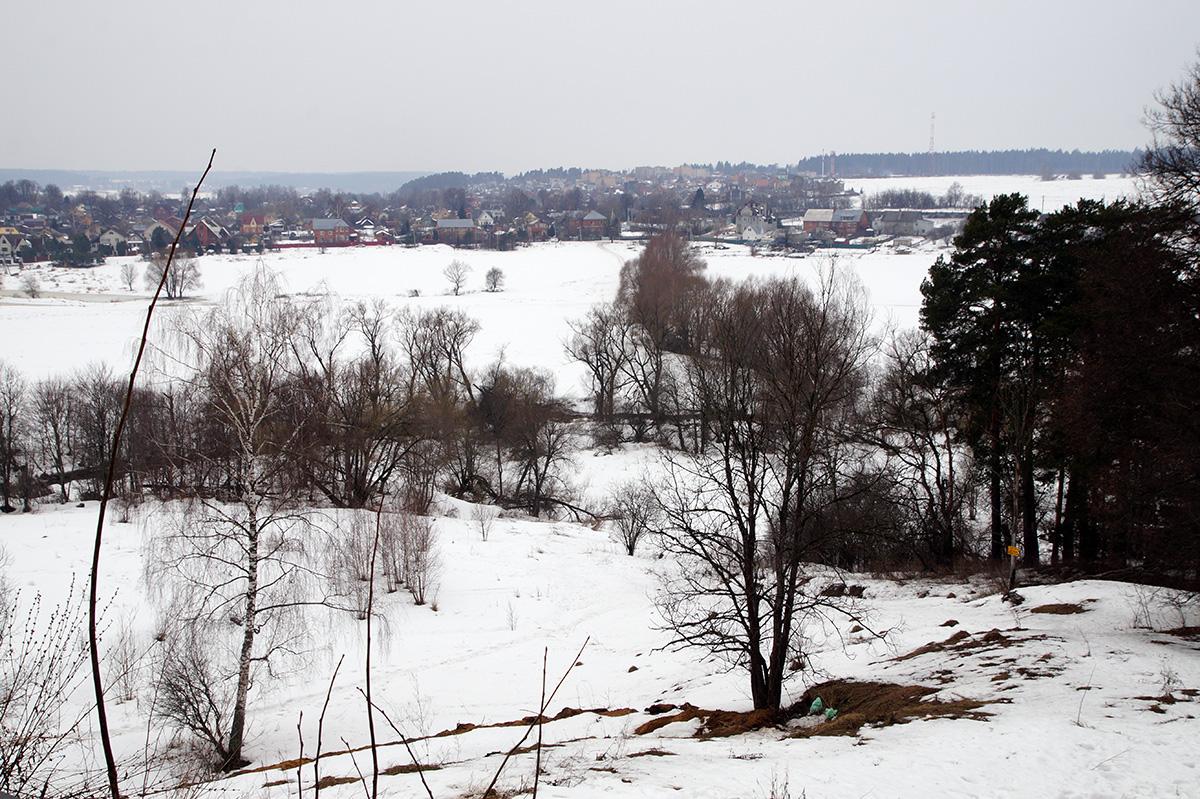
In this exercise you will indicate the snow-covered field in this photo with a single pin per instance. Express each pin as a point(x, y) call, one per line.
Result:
point(1081, 702)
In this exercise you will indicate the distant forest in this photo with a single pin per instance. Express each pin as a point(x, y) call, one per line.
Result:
point(973, 162)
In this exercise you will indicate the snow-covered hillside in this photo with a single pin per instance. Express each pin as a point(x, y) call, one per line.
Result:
point(1086, 689)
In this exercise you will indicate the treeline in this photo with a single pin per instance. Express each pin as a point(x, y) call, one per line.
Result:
point(348, 403)
point(1044, 392)
point(955, 197)
point(974, 162)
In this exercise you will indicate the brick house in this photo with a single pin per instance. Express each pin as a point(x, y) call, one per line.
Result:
point(818, 219)
point(536, 229)
point(206, 233)
point(455, 231)
point(331, 233)
point(850, 223)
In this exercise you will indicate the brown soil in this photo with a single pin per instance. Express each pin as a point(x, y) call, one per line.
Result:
point(879, 705)
point(1059, 609)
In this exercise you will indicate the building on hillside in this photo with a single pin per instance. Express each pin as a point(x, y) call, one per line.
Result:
point(849, 223)
point(455, 231)
point(11, 241)
point(332, 233)
point(206, 233)
point(817, 220)
point(112, 238)
point(896, 223)
point(253, 224)
point(536, 229)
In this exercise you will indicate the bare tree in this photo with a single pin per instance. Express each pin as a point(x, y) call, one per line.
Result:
point(242, 556)
point(1170, 166)
point(182, 274)
point(777, 373)
point(634, 512)
point(52, 424)
point(913, 423)
point(456, 274)
point(12, 430)
point(31, 285)
point(494, 279)
point(128, 275)
point(601, 341)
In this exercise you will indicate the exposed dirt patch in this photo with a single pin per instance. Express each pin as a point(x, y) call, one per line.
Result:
point(941, 646)
point(857, 704)
point(965, 643)
point(653, 753)
point(879, 705)
point(1190, 633)
point(329, 782)
point(1059, 609)
point(411, 768)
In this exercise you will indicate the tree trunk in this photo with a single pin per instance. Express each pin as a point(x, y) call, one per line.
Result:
point(237, 726)
point(1029, 512)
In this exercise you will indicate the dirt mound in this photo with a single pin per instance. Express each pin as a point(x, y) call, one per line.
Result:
point(878, 704)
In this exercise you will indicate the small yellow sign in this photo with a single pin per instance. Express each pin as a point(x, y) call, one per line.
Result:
point(1014, 551)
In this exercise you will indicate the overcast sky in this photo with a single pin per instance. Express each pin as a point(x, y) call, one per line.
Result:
point(397, 85)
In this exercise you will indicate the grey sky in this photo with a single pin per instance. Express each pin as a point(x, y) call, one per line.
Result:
point(376, 85)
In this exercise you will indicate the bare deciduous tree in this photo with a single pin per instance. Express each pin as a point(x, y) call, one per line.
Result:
point(242, 556)
point(601, 342)
point(777, 372)
point(183, 274)
point(494, 279)
point(128, 275)
point(634, 512)
point(456, 275)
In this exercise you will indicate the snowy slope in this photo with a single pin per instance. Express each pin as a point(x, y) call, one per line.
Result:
point(1076, 702)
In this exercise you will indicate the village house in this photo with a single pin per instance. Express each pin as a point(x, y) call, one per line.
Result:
point(849, 223)
point(206, 233)
point(11, 241)
point(253, 225)
point(536, 229)
point(455, 231)
point(817, 220)
point(331, 233)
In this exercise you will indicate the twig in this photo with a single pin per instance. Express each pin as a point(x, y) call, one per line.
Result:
point(411, 753)
point(1083, 696)
point(1114, 757)
point(370, 613)
point(300, 761)
point(545, 703)
point(321, 730)
point(354, 760)
point(93, 640)
point(537, 766)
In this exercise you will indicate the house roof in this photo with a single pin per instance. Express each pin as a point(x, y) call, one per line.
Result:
point(328, 224)
point(594, 216)
point(848, 215)
point(455, 224)
point(818, 215)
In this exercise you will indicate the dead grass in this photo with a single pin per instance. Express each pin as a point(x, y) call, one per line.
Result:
point(963, 642)
point(410, 768)
point(858, 704)
point(329, 782)
point(879, 704)
point(1059, 609)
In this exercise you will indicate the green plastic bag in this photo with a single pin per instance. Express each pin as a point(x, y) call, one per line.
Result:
point(829, 714)
point(816, 707)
